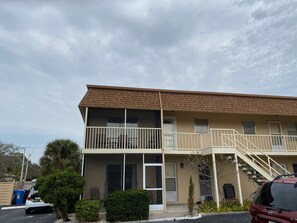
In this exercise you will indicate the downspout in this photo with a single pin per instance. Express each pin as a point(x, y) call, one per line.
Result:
point(163, 154)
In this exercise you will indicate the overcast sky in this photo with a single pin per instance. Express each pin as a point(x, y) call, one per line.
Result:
point(50, 50)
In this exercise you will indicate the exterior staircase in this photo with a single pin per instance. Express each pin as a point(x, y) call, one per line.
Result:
point(257, 167)
point(6, 190)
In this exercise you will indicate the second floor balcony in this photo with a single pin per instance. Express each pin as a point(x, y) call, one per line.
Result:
point(151, 139)
point(122, 138)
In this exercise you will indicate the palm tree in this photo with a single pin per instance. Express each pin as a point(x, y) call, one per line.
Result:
point(60, 154)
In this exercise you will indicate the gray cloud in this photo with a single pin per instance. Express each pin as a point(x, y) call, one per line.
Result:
point(49, 51)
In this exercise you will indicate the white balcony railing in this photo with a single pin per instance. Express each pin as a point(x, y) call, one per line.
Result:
point(150, 138)
point(122, 138)
point(215, 138)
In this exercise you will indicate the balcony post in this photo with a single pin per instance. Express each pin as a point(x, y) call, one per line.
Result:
point(238, 180)
point(86, 125)
point(215, 177)
point(163, 156)
point(201, 143)
point(84, 146)
point(211, 139)
point(125, 128)
point(124, 171)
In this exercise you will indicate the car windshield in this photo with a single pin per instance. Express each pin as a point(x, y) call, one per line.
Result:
point(284, 196)
point(279, 195)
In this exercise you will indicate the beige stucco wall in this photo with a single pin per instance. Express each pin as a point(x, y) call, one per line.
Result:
point(228, 176)
point(185, 121)
point(287, 160)
point(183, 178)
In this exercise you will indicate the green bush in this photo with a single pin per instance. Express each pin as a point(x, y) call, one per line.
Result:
point(87, 210)
point(61, 188)
point(130, 205)
point(225, 206)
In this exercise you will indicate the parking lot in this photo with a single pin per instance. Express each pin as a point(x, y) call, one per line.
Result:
point(18, 215)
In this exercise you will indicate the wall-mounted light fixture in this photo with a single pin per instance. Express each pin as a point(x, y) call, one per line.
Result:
point(182, 165)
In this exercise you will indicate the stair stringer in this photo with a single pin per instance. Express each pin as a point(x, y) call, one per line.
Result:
point(255, 166)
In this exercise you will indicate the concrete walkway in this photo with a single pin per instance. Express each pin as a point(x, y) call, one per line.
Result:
point(174, 212)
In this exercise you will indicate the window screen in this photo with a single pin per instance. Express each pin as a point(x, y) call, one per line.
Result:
point(201, 125)
point(292, 128)
point(249, 127)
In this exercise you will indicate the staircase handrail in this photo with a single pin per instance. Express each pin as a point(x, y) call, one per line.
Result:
point(253, 158)
point(263, 153)
point(259, 150)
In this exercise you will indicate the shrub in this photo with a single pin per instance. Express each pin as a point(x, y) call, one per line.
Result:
point(130, 205)
point(191, 197)
point(87, 210)
point(60, 189)
point(225, 206)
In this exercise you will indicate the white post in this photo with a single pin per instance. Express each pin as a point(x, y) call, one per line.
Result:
point(215, 179)
point(124, 171)
point(84, 146)
point(163, 155)
point(143, 172)
point(211, 138)
point(125, 128)
point(238, 180)
point(24, 151)
point(124, 161)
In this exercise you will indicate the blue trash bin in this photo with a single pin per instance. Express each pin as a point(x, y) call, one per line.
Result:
point(19, 196)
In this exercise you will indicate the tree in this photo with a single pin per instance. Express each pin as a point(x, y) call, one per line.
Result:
point(7, 149)
point(60, 188)
point(191, 197)
point(202, 165)
point(11, 162)
point(10, 159)
point(59, 155)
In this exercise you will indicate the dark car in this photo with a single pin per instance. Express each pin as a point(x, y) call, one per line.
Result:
point(276, 201)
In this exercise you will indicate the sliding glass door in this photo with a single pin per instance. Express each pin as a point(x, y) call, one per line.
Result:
point(114, 177)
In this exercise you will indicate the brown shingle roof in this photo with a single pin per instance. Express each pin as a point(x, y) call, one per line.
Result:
point(175, 100)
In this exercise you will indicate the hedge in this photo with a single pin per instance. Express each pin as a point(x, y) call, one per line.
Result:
point(130, 205)
point(87, 210)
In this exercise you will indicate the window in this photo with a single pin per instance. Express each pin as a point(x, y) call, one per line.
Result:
point(249, 127)
point(292, 128)
point(201, 125)
point(205, 181)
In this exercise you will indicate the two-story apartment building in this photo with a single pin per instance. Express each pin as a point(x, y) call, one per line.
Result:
point(142, 138)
